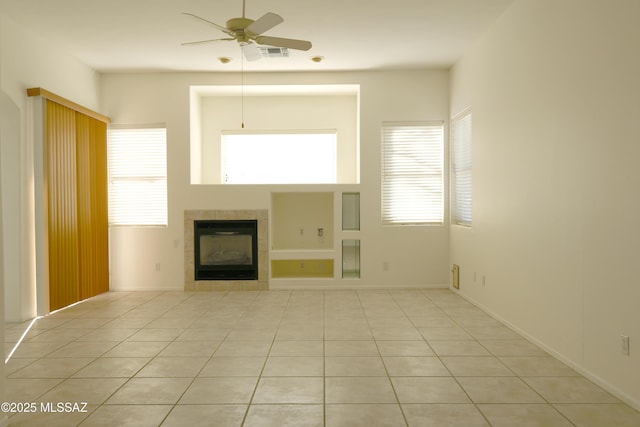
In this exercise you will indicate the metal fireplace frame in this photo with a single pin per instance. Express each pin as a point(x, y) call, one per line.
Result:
point(225, 271)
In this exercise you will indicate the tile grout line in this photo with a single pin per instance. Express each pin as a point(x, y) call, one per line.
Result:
point(173, 406)
point(475, 405)
point(375, 308)
point(62, 379)
point(384, 365)
point(266, 359)
point(137, 371)
point(324, 361)
point(515, 375)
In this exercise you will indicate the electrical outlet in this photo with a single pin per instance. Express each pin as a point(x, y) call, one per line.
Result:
point(624, 345)
point(385, 266)
point(484, 280)
point(157, 266)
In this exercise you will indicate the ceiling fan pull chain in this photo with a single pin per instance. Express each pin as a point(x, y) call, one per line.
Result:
point(242, 89)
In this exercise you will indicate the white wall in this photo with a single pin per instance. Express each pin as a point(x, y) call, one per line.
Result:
point(28, 61)
point(3, 418)
point(555, 95)
point(417, 256)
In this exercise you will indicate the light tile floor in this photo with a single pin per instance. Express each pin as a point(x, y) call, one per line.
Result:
point(294, 358)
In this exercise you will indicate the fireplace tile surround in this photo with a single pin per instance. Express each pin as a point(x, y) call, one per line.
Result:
point(190, 284)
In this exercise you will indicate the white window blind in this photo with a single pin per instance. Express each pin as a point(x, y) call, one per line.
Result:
point(297, 157)
point(461, 169)
point(412, 173)
point(137, 176)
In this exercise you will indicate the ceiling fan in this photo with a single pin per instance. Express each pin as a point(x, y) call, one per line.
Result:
point(248, 33)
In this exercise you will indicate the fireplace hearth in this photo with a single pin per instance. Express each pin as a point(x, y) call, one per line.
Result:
point(226, 249)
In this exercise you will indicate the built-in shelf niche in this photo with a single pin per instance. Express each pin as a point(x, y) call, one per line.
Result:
point(351, 259)
point(350, 247)
point(350, 211)
point(302, 220)
point(302, 268)
point(316, 236)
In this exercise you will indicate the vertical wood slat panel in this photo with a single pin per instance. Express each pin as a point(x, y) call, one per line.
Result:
point(100, 197)
point(92, 206)
point(85, 234)
point(77, 202)
point(62, 205)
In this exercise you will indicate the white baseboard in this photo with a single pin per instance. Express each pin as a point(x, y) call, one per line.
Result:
point(634, 403)
point(289, 285)
point(300, 284)
point(162, 289)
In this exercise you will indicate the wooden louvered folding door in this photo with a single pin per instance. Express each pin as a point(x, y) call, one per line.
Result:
point(76, 199)
point(91, 160)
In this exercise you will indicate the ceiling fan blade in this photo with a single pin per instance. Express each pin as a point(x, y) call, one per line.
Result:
point(265, 23)
point(204, 41)
point(251, 52)
point(288, 43)
point(220, 27)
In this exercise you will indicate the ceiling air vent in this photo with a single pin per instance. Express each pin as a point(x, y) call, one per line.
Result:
point(274, 52)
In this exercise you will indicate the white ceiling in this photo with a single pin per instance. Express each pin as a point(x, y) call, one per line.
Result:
point(146, 35)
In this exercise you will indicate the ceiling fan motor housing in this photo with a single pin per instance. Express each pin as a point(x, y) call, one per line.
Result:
point(238, 27)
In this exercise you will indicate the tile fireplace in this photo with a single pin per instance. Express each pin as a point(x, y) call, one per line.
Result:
point(226, 250)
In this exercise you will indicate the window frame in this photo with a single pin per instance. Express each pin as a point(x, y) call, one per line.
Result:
point(400, 165)
point(461, 168)
point(150, 212)
point(332, 152)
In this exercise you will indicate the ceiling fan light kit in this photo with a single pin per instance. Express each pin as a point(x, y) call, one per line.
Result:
point(248, 33)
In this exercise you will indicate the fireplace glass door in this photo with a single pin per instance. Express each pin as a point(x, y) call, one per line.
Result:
point(226, 250)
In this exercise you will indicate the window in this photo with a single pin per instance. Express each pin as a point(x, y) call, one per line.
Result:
point(137, 176)
point(279, 157)
point(461, 169)
point(412, 173)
